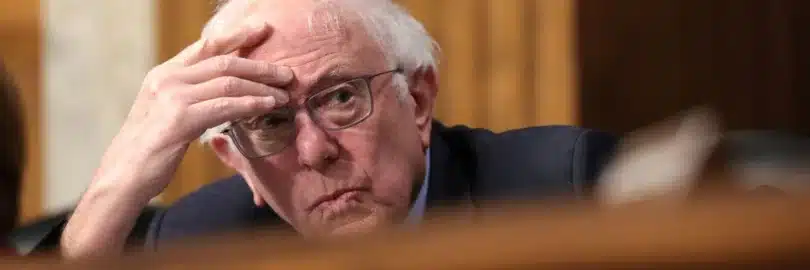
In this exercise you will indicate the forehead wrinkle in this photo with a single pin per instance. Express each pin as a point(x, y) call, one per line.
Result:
point(319, 80)
point(292, 38)
point(333, 40)
point(337, 70)
point(296, 54)
point(325, 18)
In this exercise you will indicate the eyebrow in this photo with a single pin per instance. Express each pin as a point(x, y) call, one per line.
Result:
point(334, 76)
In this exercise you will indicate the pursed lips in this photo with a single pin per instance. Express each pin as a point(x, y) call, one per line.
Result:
point(333, 196)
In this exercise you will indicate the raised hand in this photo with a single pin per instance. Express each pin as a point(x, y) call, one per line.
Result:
point(204, 85)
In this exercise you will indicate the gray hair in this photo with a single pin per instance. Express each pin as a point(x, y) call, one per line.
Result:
point(402, 39)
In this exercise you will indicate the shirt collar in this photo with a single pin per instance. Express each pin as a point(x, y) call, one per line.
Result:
point(417, 211)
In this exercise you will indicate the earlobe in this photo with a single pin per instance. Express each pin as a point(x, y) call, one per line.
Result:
point(224, 151)
point(257, 200)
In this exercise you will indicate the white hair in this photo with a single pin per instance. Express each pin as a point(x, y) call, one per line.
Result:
point(402, 39)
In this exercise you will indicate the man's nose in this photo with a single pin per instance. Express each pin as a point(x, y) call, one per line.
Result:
point(316, 148)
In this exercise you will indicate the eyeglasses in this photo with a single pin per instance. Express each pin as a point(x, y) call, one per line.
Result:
point(337, 107)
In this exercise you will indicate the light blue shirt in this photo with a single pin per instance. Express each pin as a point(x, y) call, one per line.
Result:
point(418, 208)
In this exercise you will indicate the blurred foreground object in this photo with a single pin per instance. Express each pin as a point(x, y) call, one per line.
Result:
point(42, 236)
point(737, 232)
point(664, 160)
point(667, 162)
point(690, 156)
point(775, 159)
point(12, 156)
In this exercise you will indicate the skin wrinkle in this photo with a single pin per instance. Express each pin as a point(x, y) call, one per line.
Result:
point(315, 43)
point(290, 61)
point(328, 214)
point(400, 35)
point(327, 15)
point(384, 153)
point(312, 52)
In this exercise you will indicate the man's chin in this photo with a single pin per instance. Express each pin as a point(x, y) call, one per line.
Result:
point(356, 225)
point(354, 228)
point(340, 219)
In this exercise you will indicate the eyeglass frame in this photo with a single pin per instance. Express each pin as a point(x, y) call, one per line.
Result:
point(367, 79)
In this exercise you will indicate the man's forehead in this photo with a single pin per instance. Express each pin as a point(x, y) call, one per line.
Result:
point(295, 43)
point(287, 15)
point(297, 26)
point(317, 36)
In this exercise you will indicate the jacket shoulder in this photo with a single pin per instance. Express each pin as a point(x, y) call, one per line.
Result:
point(534, 162)
point(221, 206)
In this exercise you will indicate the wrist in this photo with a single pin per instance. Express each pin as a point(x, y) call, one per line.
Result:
point(122, 196)
point(112, 186)
point(102, 221)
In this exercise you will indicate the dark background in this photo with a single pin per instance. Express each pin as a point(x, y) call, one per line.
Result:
point(642, 61)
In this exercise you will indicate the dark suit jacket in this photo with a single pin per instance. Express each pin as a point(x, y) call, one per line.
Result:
point(469, 168)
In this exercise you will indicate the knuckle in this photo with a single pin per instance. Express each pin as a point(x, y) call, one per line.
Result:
point(230, 85)
point(220, 105)
point(277, 72)
point(175, 118)
point(175, 108)
point(176, 96)
point(223, 64)
point(253, 104)
point(168, 97)
point(268, 68)
point(172, 111)
point(157, 79)
point(154, 80)
point(155, 86)
point(152, 74)
point(210, 44)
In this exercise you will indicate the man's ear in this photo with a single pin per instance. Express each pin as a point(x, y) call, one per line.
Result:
point(225, 152)
point(423, 88)
point(222, 147)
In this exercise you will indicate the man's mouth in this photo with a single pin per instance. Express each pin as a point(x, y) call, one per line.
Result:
point(341, 194)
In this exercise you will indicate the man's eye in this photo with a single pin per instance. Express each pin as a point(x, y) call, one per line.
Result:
point(270, 122)
point(278, 118)
point(342, 96)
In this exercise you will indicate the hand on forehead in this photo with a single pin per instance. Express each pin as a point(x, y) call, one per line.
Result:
point(310, 39)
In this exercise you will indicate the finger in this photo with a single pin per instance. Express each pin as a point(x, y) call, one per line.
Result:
point(228, 65)
point(233, 87)
point(243, 37)
point(225, 109)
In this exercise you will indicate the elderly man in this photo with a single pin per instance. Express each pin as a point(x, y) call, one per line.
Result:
point(325, 108)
